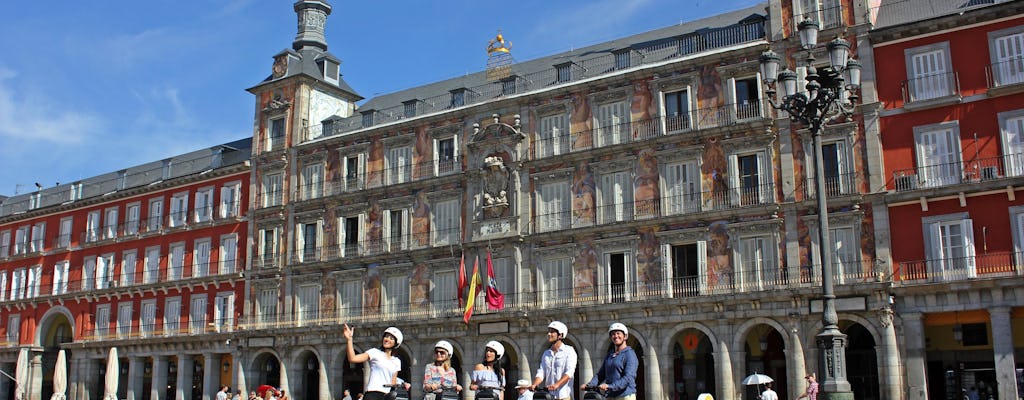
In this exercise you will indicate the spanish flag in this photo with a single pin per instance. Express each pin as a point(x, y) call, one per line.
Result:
point(474, 290)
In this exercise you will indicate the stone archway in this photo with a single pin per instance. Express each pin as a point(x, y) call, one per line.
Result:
point(268, 370)
point(309, 378)
point(861, 362)
point(693, 365)
point(55, 328)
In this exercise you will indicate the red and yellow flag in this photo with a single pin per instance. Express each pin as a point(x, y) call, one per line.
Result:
point(474, 290)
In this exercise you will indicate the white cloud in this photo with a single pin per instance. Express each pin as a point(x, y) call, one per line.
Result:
point(34, 117)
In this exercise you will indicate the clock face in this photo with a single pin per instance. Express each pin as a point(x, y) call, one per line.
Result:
point(280, 66)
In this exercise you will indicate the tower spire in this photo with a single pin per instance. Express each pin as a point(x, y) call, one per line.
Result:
point(312, 21)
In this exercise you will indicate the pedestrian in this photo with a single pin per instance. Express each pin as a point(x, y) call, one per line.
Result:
point(523, 387)
point(347, 395)
point(238, 395)
point(222, 394)
point(440, 375)
point(768, 393)
point(384, 363)
point(557, 365)
point(812, 388)
point(617, 374)
point(488, 377)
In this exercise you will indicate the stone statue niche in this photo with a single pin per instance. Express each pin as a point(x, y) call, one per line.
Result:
point(496, 184)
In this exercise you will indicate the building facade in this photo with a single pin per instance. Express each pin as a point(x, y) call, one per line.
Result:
point(147, 260)
point(952, 115)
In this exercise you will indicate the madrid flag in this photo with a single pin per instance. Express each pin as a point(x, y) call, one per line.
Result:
point(495, 299)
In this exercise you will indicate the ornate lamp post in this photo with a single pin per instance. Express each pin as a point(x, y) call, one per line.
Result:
point(821, 104)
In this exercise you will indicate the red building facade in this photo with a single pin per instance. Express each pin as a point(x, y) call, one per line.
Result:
point(147, 260)
point(952, 119)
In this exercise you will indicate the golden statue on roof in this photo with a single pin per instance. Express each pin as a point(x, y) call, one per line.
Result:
point(498, 44)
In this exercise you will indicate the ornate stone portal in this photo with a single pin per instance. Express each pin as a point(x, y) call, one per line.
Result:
point(495, 181)
point(495, 150)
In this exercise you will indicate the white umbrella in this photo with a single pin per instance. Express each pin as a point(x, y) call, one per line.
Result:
point(21, 375)
point(110, 380)
point(60, 377)
point(757, 379)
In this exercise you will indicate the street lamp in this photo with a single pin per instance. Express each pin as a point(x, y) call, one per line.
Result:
point(822, 104)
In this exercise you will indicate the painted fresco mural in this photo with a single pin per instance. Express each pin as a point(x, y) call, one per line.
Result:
point(710, 97)
point(719, 254)
point(421, 220)
point(373, 239)
point(328, 302)
point(646, 191)
point(641, 110)
point(580, 123)
point(584, 280)
point(584, 196)
point(371, 290)
point(423, 156)
point(648, 261)
point(375, 164)
point(419, 288)
point(714, 173)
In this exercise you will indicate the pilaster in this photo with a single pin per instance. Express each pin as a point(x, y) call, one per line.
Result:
point(1002, 349)
point(913, 334)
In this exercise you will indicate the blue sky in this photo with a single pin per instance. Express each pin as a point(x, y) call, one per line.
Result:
point(89, 87)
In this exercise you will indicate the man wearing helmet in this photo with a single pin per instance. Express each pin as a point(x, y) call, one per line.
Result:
point(557, 365)
point(617, 374)
point(384, 363)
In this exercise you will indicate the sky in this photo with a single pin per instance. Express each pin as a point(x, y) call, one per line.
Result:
point(90, 87)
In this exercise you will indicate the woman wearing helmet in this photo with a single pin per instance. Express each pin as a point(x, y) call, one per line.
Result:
point(384, 363)
point(617, 374)
point(440, 375)
point(557, 365)
point(489, 374)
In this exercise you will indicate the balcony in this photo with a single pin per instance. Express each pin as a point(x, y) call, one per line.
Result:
point(155, 330)
point(931, 90)
point(1006, 73)
point(835, 185)
point(137, 280)
point(371, 247)
point(956, 173)
point(982, 266)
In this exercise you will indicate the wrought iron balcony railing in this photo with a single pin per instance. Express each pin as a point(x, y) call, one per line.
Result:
point(947, 174)
point(980, 266)
point(137, 278)
point(1005, 73)
point(930, 87)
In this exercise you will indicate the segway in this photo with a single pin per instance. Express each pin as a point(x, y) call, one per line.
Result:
point(542, 393)
point(398, 392)
point(487, 392)
point(593, 393)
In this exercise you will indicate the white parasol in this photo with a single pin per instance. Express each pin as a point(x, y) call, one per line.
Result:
point(60, 377)
point(757, 379)
point(110, 380)
point(21, 375)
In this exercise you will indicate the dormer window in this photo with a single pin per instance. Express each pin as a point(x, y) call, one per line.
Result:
point(329, 69)
point(622, 59)
point(564, 72)
point(368, 118)
point(458, 98)
point(410, 108)
point(508, 86)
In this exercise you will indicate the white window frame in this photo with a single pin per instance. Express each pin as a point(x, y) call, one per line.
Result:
point(396, 241)
point(446, 219)
point(929, 70)
point(21, 239)
point(1011, 136)
point(757, 261)
point(677, 285)
point(556, 285)
point(395, 295)
point(105, 271)
point(228, 260)
point(197, 317)
point(933, 169)
point(443, 295)
point(941, 264)
point(612, 123)
point(276, 142)
point(155, 214)
point(398, 165)
point(1006, 49)
point(201, 256)
point(147, 317)
point(203, 210)
point(446, 167)
point(5, 243)
point(553, 135)
point(37, 243)
point(312, 180)
point(179, 210)
point(764, 178)
point(301, 241)
point(827, 13)
point(129, 263)
point(554, 205)
point(615, 196)
point(110, 220)
point(224, 312)
point(677, 120)
point(61, 277)
point(350, 295)
point(680, 187)
point(172, 316)
point(1016, 226)
point(353, 180)
point(268, 237)
point(124, 320)
point(102, 320)
point(132, 214)
point(268, 304)
point(89, 273)
point(176, 261)
point(746, 109)
point(3, 286)
point(14, 328)
point(230, 199)
point(273, 189)
point(356, 248)
point(307, 304)
point(151, 265)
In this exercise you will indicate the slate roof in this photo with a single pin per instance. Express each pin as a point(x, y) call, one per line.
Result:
point(899, 12)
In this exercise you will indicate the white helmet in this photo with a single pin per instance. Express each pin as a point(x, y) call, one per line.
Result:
point(444, 345)
point(396, 333)
point(559, 327)
point(499, 350)
point(618, 326)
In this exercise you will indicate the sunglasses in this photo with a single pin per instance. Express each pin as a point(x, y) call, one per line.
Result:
point(440, 352)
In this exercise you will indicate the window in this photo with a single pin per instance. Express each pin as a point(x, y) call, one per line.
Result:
point(504, 275)
point(38, 242)
point(396, 292)
point(60, 278)
point(1006, 48)
point(5, 244)
point(1012, 127)
point(3, 286)
point(396, 229)
point(175, 261)
point(399, 165)
point(312, 181)
point(747, 95)
point(268, 246)
point(268, 305)
point(611, 123)
point(103, 320)
point(154, 220)
point(409, 110)
point(554, 136)
point(682, 188)
point(827, 13)
point(33, 276)
point(151, 270)
point(228, 254)
point(553, 202)
point(21, 237)
point(272, 189)
point(128, 263)
point(442, 297)
point(458, 98)
point(447, 222)
point(147, 321)
point(229, 200)
point(308, 307)
point(75, 192)
point(124, 320)
point(367, 119)
point(929, 72)
point(557, 283)
point(351, 296)
point(63, 237)
point(508, 86)
point(353, 172)
point(621, 59)
point(845, 253)
point(563, 73)
point(616, 197)
point(110, 223)
point(197, 314)
point(13, 328)
point(224, 312)
point(749, 179)
point(950, 246)
point(166, 170)
point(937, 150)
point(131, 219)
point(275, 136)
point(308, 244)
point(204, 205)
point(201, 258)
point(88, 273)
point(172, 316)
point(350, 235)
point(688, 266)
point(445, 152)
point(759, 266)
point(836, 169)
point(677, 111)
point(105, 271)
point(179, 210)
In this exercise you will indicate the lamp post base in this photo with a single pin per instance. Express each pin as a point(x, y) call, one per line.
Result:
point(833, 384)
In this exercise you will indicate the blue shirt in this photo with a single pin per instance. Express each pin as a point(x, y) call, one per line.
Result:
point(619, 372)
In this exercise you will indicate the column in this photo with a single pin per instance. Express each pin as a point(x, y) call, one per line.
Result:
point(183, 386)
point(325, 386)
point(135, 375)
point(1002, 349)
point(211, 375)
point(284, 377)
point(158, 387)
point(891, 380)
point(795, 361)
point(913, 333)
point(723, 370)
point(652, 370)
point(35, 385)
point(239, 373)
point(585, 365)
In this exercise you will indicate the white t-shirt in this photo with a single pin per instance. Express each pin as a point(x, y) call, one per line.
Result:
point(769, 395)
point(382, 368)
